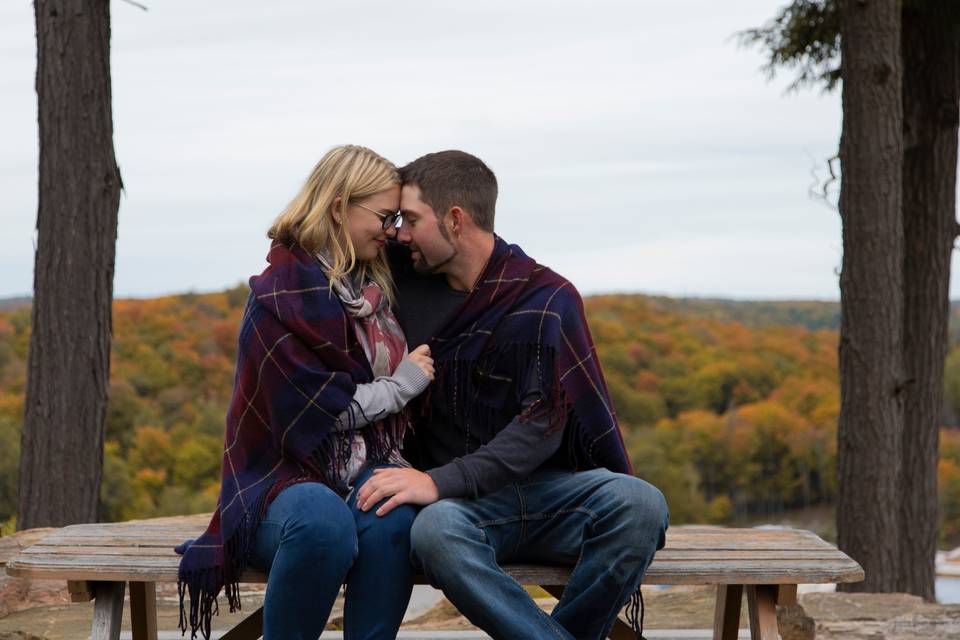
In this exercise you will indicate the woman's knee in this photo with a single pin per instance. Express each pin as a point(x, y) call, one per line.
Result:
point(316, 521)
point(391, 529)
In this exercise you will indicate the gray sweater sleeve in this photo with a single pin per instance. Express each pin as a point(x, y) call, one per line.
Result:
point(513, 454)
point(375, 400)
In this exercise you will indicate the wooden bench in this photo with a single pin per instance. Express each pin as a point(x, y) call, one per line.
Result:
point(98, 560)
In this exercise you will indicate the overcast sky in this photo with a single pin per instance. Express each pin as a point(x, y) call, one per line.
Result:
point(637, 146)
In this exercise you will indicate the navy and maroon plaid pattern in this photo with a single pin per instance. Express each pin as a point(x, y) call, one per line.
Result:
point(522, 316)
point(298, 365)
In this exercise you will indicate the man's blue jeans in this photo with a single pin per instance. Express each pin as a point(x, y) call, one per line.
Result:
point(606, 525)
point(310, 542)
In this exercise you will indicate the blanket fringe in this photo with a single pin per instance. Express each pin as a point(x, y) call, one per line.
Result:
point(203, 585)
point(456, 394)
point(635, 613)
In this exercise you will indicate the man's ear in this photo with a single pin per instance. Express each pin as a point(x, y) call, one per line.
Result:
point(336, 209)
point(456, 218)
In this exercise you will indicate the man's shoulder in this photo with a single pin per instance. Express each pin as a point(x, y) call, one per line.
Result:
point(545, 281)
point(558, 291)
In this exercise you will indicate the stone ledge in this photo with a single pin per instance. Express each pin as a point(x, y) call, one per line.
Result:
point(868, 616)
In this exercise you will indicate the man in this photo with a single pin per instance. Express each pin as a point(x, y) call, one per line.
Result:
point(522, 453)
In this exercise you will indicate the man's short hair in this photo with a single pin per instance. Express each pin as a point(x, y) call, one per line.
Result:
point(455, 178)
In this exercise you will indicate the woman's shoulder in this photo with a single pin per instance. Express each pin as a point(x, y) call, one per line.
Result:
point(289, 268)
point(293, 284)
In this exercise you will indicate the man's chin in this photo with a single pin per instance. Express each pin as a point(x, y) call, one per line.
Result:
point(420, 266)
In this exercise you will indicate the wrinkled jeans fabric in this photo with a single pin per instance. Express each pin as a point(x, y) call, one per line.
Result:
point(606, 525)
point(311, 541)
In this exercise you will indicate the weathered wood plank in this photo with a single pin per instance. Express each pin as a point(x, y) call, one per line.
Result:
point(745, 565)
point(731, 572)
point(143, 551)
point(107, 610)
point(666, 554)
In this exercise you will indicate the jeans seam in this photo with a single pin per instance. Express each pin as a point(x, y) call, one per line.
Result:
point(563, 596)
point(537, 516)
point(523, 521)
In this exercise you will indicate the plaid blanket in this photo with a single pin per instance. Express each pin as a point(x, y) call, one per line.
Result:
point(298, 365)
point(522, 315)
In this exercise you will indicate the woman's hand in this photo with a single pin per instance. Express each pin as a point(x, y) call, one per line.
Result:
point(421, 357)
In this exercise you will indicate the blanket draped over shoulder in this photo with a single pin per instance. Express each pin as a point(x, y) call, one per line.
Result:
point(523, 320)
point(521, 316)
point(298, 364)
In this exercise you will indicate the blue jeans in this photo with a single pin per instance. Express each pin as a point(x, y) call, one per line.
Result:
point(606, 525)
point(310, 542)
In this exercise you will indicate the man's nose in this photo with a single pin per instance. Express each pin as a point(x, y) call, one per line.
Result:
point(403, 235)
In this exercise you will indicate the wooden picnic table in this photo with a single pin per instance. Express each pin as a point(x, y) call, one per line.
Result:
point(99, 560)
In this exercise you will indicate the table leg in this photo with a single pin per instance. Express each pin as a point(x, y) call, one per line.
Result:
point(762, 608)
point(726, 615)
point(107, 610)
point(143, 610)
point(786, 595)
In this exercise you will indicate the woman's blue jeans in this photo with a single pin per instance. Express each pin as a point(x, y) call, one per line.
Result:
point(310, 542)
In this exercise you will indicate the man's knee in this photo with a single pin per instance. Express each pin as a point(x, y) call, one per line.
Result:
point(435, 531)
point(640, 507)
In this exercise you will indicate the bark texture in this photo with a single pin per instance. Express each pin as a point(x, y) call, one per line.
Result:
point(931, 95)
point(68, 368)
point(871, 291)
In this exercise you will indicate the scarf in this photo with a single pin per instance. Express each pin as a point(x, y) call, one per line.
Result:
point(298, 364)
point(385, 346)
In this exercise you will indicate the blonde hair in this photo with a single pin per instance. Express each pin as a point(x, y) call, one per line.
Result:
point(351, 173)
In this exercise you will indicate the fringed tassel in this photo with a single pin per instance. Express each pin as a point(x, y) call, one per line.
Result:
point(203, 585)
point(635, 613)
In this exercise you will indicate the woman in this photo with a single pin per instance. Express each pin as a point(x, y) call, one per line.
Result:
point(322, 376)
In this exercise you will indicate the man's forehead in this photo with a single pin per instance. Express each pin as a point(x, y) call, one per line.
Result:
point(410, 198)
point(410, 190)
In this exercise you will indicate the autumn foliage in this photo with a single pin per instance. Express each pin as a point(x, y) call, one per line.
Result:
point(730, 409)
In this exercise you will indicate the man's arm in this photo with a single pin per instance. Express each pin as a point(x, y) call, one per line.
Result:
point(512, 454)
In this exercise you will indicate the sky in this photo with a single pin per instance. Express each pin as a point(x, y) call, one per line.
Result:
point(638, 147)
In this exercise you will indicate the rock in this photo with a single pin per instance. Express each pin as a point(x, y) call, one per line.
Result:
point(17, 594)
point(868, 616)
point(13, 544)
point(18, 635)
point(795, 624)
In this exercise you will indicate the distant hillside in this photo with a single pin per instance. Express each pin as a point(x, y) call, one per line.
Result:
point(812, 314)
point(730, 407)
point(12, 304)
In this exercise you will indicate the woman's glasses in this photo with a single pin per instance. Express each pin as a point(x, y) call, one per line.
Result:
point(387, 220)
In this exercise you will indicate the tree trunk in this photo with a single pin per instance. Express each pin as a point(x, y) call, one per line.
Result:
point(931, 95)
point(871, 291)
point(68, 369)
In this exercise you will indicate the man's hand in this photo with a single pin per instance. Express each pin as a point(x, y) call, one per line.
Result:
point(406, 486)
